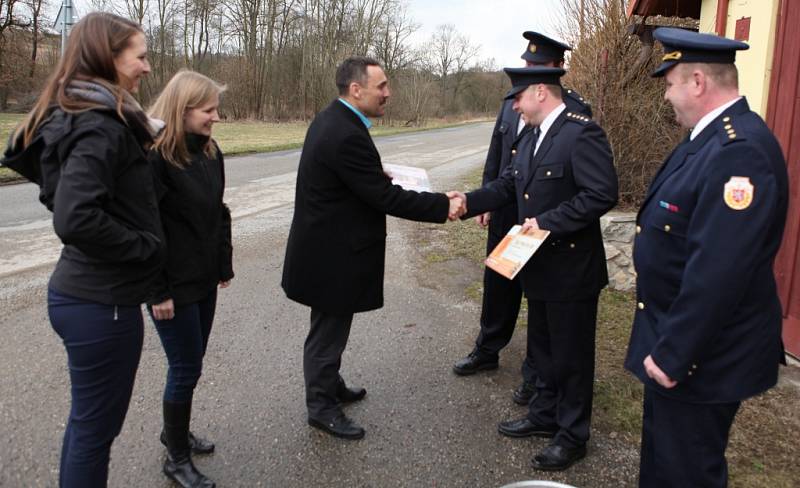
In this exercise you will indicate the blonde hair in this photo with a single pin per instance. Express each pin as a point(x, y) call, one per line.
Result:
point(185, 91)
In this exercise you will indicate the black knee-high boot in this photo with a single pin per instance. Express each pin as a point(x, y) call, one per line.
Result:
point(178, 466)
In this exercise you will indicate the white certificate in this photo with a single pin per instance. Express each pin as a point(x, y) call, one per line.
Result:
point(408, 177)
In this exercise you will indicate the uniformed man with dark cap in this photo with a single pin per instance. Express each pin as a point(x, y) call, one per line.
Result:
point(707, 330)
point(502, 297)
point(563, 180)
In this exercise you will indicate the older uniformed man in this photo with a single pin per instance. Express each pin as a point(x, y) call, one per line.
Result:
point(502, 297)
point(707, 331)
point(563, 180)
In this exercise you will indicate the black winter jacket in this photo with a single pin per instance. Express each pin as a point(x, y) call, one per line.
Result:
point(197, 225)
point(94, 176)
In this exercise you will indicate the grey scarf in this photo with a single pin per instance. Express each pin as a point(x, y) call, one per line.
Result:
point(145, 127)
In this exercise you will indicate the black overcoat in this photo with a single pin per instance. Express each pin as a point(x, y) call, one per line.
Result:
point(336, 247)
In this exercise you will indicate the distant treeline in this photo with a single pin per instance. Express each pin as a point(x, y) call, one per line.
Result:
point(277, 57)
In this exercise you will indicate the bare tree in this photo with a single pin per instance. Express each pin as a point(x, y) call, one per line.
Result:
point(450, 54)
point(391, 44)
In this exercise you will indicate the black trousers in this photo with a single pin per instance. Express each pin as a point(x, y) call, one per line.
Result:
point(501, 299)
point(683, 444)
point(562, 338)
point(322, 358)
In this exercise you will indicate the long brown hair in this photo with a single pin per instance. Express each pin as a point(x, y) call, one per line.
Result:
point(185, 91)
point(89, 55)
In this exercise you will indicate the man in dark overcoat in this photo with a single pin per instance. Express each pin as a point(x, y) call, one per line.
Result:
point(707, 329)
point(335, 252)
point(563, 181)
point(502, 297)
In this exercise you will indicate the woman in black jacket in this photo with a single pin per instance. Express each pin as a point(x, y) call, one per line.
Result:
point(191, 178)
point(85, 144)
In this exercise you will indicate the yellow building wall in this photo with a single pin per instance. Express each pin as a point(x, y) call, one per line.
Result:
point(755, 64)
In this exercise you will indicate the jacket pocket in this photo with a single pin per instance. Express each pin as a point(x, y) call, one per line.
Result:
point(359, 242)
point(671, 223)
point(549, 172)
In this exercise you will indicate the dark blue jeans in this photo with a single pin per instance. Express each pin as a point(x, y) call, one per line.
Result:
point(104, 343)
point(185, 338)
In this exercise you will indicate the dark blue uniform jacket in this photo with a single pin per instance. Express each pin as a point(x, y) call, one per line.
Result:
point(503, 146)
point(708, 309)
point(567, 186)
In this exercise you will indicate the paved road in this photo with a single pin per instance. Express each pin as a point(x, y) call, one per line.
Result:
point(256, 183)
point(425, 427)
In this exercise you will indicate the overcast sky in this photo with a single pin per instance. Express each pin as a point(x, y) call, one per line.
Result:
point(496, 26)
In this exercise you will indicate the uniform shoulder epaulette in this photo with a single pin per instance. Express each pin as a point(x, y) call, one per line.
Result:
point(580, 118)
point(574, 95)
point(577, 103)
point(728, 131)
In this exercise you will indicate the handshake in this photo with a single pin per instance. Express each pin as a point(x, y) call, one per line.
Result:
point(458, 204)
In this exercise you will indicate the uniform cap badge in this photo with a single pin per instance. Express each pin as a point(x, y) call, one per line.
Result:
point(738, 193)
point(532, 48)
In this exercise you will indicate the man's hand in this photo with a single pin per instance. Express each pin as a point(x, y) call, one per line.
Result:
point(224, 284)
point(164, 310)
point(458, 204)
point(483, 219)
point(530, 224)
point(660, 377)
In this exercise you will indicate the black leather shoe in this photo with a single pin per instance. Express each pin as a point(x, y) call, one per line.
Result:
point(525, 393)
point(350, 395)
point(196, 444)
point(558, 458)
point(525, 428)
point(474, 363)
point(340, 426)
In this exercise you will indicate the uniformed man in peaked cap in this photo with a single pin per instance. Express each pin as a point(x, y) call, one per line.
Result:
point(707, 329)
point(502, 297)
point(563, 180)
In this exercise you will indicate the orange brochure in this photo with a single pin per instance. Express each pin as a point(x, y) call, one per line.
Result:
point(515, 250)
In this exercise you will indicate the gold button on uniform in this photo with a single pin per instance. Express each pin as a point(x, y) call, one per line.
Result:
point(667, 228)
point(516, 172)
point(690, 373)
point(638, 229)
point(694, 366)
point(572, 245)
point(548, 173)
point(513, 152)
point(526, 196)
point(640, 305)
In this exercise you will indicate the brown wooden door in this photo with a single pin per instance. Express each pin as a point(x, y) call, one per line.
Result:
point(783, 116)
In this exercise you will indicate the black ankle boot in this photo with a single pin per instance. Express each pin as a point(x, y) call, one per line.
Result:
point(198, 445)
point(178, 466)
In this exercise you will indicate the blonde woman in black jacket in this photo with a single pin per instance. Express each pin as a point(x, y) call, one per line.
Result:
point(190, 177)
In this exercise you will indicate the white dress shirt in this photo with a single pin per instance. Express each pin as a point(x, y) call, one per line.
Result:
point(546, 123)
